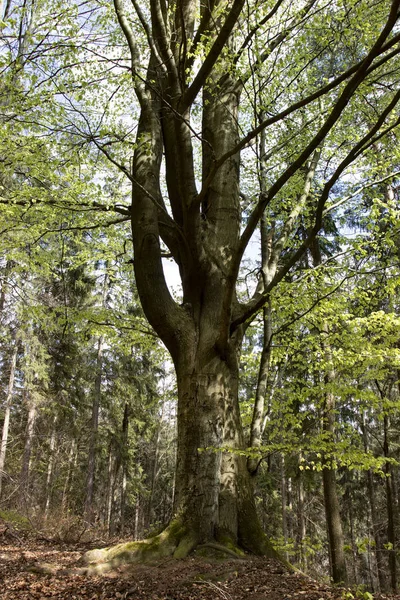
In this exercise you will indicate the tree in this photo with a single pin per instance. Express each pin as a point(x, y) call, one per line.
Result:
point(211, 68)
point(214, 497)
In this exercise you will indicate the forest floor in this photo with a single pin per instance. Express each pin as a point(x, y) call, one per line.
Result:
point(33, 569)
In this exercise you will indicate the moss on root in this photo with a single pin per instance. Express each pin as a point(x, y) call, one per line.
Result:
point(159, 546)
point(178, 541)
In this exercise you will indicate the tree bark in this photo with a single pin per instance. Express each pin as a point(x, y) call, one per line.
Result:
point(26, 458)
point(391, 534)
point(50, 467)
point(7, 412)
point(72, 460)
point(302, 530)
point(284, 498)
point(380, 567)
point(88, 509)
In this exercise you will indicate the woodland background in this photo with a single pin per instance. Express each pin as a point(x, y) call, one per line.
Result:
point(88, 396)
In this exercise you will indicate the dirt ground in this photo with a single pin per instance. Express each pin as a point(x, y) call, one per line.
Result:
point(23, 576)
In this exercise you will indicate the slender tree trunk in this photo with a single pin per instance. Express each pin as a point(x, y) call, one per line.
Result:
point(125, 465)
point(109, 489)
point(380, 566)
point(284, 498)
point(123, 499)
point(50, 467)
point(353, 541)
point(88, 509)
point(334, 525)
point(260, 409)
point(390, 508)
point(332, 510)
point(331, 501)
point(26, 458)
point(72, 459)
point(7, 412)
point(154, 471)
point(302, 532)
point(136, 523)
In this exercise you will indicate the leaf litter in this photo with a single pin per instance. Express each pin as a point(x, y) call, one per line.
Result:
point(34, 569)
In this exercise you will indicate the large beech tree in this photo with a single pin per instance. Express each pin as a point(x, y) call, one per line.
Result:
point(319, 81)
point(199, 216)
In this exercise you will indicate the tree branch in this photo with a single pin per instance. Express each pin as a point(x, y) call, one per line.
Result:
point(213, 55)
point(252, 307)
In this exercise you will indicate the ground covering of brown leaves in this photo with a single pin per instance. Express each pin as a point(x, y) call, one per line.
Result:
point(33, 569)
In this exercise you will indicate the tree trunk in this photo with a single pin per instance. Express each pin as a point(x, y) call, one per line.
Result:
point(302, 531)
point(331, 501)
point(125, 464)
point(50, 467)
point(374, 516)
point(334, 525)
point(88, 509)
point(390, 508)
point(26, 458)
point(332, 510)
point(109, 495)
point(72, 460)
point(214, 492)
point(7, 412)
point(284, 498)
point(154, 470)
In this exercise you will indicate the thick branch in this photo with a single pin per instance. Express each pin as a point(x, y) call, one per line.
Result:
point(135, 55)
point(213, 55)
point(300, 104)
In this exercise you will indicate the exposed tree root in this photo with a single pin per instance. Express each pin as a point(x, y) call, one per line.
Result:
point(238, 554)
point(173, 541)
point(176, 541)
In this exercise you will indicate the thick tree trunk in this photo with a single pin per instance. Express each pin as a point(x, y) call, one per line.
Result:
point(214, 494)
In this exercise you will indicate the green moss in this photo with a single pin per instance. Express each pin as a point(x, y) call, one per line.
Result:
point(18, 521)
point(185, 546)
point(154, 548)
point(228, 542)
